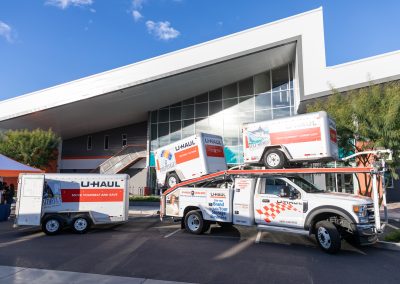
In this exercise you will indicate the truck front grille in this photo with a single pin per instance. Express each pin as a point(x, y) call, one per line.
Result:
point(371, 213)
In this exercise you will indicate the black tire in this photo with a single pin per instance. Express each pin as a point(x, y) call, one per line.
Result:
point(194, 222)
point(328, 237)
point(206, 226)
point(225, 224)
point(81, 224)
point(274, 159)
point(52, 225)
point(172, 180)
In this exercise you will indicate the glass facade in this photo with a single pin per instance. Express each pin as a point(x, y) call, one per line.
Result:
point(264, 96)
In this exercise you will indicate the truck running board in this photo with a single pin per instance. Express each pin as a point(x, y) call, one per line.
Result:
point(282, 230)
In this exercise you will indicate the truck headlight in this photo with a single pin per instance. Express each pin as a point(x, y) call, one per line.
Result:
point(361, 211)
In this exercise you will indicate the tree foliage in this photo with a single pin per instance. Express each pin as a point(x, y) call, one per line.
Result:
point(36, 148)
point(366, 119)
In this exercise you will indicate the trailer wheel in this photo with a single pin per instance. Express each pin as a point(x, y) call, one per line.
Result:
point(81, 224)
point(194, 222)
point(328, 237)
point(172, 180)
point(52, 225)
point(274, 159)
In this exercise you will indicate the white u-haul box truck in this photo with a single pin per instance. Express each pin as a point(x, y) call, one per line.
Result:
point(300, 138)
point(55, 201)
point(192, 157)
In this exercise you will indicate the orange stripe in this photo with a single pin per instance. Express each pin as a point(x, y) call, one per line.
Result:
point(187, 155)
point(296, 136)
point(15, 173)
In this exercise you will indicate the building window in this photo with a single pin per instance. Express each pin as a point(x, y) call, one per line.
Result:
point(89, 143)
point(222, 111)
point(124, 140)
point(106, 142)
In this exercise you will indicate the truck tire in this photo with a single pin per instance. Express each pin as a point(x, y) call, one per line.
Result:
point(172, 180)
point(52, 225)
point(206, 226)
point(328, 237)
point(81, 224)
point(194, 222)
point(274, 159)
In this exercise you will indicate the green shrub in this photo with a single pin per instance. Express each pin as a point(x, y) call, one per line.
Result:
point(151, 198)
point(393, 236)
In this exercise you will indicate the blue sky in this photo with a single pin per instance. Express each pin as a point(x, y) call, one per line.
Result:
point(47, 42)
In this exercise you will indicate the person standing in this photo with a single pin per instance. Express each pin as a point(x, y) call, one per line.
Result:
point(10, 194)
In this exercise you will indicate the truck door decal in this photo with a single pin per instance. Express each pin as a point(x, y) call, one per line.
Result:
point(272, 210)
point(187, 155)
point(92, 195)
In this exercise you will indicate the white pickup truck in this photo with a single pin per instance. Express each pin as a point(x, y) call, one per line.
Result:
point(272, 200)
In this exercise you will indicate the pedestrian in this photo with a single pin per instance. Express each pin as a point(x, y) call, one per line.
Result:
point(10, 194)
point(1, 193)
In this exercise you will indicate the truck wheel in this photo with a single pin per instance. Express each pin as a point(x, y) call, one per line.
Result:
point(81, 224)
point(172, 180)
point(194, 222)
point(327, 236)
point(206, 226)
point(52, 225)
point(274, 159)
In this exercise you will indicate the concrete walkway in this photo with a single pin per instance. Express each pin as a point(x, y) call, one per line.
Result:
point(16, 275)
point(144, 210)
point(393, 211)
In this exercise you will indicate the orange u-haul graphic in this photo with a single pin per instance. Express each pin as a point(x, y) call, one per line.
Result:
point(189, 158)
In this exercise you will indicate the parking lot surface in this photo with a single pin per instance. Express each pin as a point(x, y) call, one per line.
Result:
point(149, 249)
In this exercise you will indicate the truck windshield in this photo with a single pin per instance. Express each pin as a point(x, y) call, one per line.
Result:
point(305, 185)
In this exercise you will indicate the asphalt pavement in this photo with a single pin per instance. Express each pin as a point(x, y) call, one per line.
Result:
point(146, 248)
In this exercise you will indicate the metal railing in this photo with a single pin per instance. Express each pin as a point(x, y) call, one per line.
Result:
point(126, 157)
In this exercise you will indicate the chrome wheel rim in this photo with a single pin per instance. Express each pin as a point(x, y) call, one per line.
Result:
point(80, 224)
point(193, 222)
point(324, 237)
point(52, 225)
point(172, 181)
point(273, 159)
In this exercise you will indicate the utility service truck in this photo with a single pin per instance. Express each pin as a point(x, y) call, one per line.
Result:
point(55, 201)
point(274, 200)
point(192, 157)
point(301, 138)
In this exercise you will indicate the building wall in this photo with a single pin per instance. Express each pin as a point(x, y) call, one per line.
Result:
point(77, 147)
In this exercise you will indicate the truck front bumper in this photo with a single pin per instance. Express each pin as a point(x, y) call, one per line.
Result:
point(367, 234)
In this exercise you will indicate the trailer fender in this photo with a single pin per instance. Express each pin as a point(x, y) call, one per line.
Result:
point(281, 148)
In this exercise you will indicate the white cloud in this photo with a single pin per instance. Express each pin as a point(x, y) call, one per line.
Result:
point(6, 31)
point(136, 15)
point(138, 4)
point(162, 30)
point(63, 4)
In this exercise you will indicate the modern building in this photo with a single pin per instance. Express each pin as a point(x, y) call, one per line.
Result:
point(119, 117)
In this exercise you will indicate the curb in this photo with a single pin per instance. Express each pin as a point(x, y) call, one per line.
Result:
point(388, 245)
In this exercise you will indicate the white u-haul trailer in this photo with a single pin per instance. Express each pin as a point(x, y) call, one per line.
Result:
point(276, 200)
point(301, 138)
point(189, 158)
point(55, 201)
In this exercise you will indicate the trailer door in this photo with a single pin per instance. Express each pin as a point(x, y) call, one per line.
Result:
point(30, 198)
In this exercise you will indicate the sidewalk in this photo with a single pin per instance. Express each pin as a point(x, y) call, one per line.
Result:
point(144, 210)
point(393, 211)
point(16, 275)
